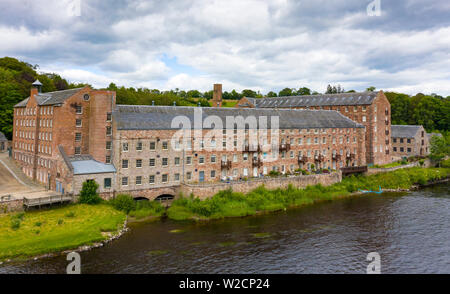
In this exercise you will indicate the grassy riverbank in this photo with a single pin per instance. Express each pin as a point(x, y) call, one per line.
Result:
point(38, 232)
point(232, 204)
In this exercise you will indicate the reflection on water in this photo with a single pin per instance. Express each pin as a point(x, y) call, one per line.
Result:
point(409, 231)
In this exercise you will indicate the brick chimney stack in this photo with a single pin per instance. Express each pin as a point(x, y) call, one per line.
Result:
point(33, 92)
point(217, 96)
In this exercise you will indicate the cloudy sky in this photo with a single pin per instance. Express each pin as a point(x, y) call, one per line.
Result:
point(262, 45)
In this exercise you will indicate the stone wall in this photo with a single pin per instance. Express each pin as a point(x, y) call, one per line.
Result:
point(78, 181)
point(372, 171)
point(207, 190)
point(11, 205)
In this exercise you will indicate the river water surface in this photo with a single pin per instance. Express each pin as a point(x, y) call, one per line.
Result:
point(410, 231)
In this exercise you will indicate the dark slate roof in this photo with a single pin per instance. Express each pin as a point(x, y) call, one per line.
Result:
point(51, 98)
point(2, 137)
point(404, 131)
point(364, 98)
point(139, 117)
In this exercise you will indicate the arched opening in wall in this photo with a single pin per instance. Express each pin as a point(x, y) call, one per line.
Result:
point(140, 199)
point(164, 197)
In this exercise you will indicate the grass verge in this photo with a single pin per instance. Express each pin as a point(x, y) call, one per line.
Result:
point(37, 232)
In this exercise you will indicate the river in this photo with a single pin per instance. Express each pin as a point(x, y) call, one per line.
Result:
point(410, 231)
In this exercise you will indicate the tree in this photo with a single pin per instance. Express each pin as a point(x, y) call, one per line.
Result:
point(285, 92)
point(334, 89)
point(371, 89)
point(235, 95)
point(124, 202)
point(440, 148)
point(399, 107)
point(193, 94)
point(271, 94)
point(208, 95)
point(88, 193)
point(249, 93)
point(204, 103)
point(303, 91)
point(427, 112)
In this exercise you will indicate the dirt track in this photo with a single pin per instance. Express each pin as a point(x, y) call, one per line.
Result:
point(9, 184)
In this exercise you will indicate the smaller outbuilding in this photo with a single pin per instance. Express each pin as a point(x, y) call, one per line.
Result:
point(409, 140)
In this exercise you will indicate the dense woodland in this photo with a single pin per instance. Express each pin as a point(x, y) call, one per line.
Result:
point(432, 111)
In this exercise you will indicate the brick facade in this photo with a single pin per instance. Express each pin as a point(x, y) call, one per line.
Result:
point(376, 117)
point(149, 163)
point(143, 161)
point(77, 123)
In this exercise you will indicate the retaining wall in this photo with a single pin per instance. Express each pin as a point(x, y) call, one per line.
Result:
point(207, 190)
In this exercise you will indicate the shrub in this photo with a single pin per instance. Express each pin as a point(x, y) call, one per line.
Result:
point(124, 202)
point(38, 224)
point(274, 173)
point(15, 223)
point(60, 221)
point(446, 163)
point(421, 162)
point(88, 194)
point(19, 215)
point(70, 214)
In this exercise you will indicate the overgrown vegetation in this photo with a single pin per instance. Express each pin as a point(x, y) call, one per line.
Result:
point(440, 148)
point(136, 209)
point(392, 164)
point(147, 208)
point(233, 204)
point(39, 232)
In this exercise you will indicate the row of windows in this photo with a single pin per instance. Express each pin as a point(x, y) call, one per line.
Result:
point(213, 158)
point(299, 141)
point(30, 147)
point(45, 136)
point(165, 178)
point(44, 162)
point(45, 123)
point(79, 122)
point(32, 111)
point(152, 179)
point(24, 135)
point(394, 140)
point(45, 149)
point(402, 149)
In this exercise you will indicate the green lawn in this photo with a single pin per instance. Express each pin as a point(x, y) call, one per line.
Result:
point(226, 103)
point(56, 229)
point(389, 165)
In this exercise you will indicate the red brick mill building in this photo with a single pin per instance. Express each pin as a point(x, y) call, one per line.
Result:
point(371, 109)
point(63, 138)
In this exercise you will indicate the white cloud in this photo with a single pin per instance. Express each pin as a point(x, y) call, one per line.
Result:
point(265, 45)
